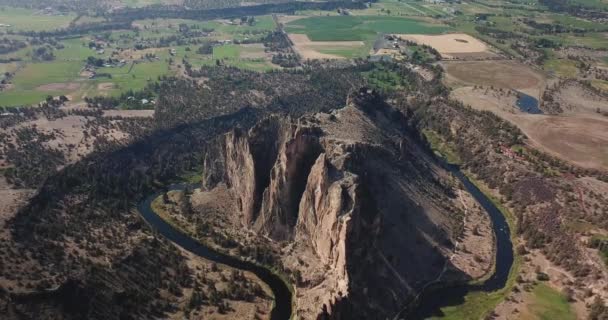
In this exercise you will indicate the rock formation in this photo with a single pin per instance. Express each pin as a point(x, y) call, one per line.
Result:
point(366, 211)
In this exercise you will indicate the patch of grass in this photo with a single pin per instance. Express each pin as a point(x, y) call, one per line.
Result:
point(384, 79)
point(23, 97)
point(575, 22)
point(27, 80)
point(349, 53)
point(600, 84)
point(75, 50)
point(564, 68)
point(601, 243)
point(441, 148)
point(231, 55)
point(31, 20)
point(549, 304)
point(349, 28)
point(593, 40)
point(230, 51)
point(138, 78)
point(596, 4)
point(37, 74)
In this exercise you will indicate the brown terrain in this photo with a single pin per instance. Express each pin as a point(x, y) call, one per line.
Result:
point(454, 45)
point(580, 136)
point(499, 74)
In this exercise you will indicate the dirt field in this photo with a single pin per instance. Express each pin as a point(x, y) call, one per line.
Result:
point(62, 86)
point(579, 138)
point(453, 45)
point(501, 74)
point(310, 49)
point(582, 139)
point(129, 113)
point(574, 98)
point(105, 86)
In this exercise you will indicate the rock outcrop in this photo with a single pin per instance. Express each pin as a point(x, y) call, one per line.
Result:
point(366, 212)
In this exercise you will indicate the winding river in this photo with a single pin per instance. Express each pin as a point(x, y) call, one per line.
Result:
point(433, 299)
point(430, 301)
point(281, 309)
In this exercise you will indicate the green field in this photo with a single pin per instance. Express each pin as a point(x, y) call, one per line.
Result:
point(562, 67)
point(549, 304)
point(230, 51)
point(349, 28)
point(26, 83)
point(31, 20)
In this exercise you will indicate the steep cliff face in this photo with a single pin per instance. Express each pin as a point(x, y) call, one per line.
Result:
point(363, 208)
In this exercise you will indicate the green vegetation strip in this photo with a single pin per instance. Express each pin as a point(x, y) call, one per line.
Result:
point(477, 304)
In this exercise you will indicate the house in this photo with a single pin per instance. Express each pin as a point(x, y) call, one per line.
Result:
point(172, 52)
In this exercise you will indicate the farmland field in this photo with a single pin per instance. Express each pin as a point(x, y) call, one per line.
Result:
point(353, 28)
point(503, 74)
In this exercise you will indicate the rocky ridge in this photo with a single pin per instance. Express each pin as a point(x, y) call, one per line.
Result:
point(362, 212)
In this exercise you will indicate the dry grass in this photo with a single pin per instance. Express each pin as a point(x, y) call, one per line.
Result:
point(502, 74)
point(578, 138)
point(64, 86)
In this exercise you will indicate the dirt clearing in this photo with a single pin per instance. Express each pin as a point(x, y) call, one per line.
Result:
point(453, 45)
point(253, 51)
point(311, 49)
point(60, 86)
point(129, 113)
point(105, 86)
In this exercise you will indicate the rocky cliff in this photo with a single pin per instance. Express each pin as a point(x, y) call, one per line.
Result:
point(366, 215)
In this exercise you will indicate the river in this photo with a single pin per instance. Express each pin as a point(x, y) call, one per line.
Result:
point(434, 299)
point(430, 302)
point(281, 309)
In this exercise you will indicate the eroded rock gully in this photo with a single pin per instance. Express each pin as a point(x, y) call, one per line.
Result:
point(362, 213)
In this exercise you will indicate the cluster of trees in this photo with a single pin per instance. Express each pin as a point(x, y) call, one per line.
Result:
point(229, 89)
point(11, 45)
point(287, 60)
point(43, 54)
